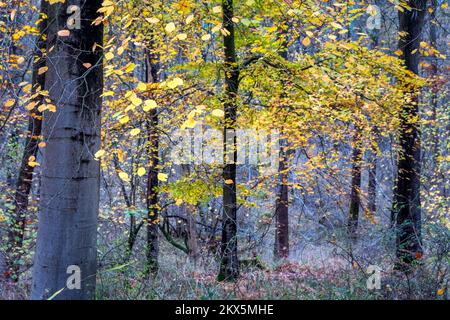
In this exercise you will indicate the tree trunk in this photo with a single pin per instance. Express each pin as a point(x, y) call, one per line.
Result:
point(70, 176)
point(25, 176)
point(406, 204)
point(152, 177)
point(281, 249)
point(355, 193)
point(229, 264)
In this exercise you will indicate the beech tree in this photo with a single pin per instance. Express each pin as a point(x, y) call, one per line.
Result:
point(70, 175)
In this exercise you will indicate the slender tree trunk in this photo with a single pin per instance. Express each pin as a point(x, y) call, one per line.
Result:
point(281, 249)
point(25, 176)
point(70, 187)
point(372, 184)
point(406, 204)
point(152, 177)
point(355, 193)
point(229, 264)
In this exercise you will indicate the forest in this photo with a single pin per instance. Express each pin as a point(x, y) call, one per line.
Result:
point(224, 150)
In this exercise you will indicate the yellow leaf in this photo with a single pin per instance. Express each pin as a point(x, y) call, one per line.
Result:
point(109, 56)
point(440, 292)
point(9, 103)
point(42, 70)
point(306, 41)
point(182, 36)
point(206, 37)
point(162, 177)
point(218, 113)
point(444, 5)
point(179, 202)
point(398, 52)
point(189, 19)
point(42, 144)
point(124, 176)
point(170, 27)
point(217, 9)
point(100, 153)
point(141, 171)
point(135, 132)
point(229, 181)
point(175, 83)
point(149, 104)
point(136, 101)
point(189, 123)
point(141, 86)
point(152, 20)
point(124, 119)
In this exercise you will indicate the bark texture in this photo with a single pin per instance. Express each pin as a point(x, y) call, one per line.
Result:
point(70, 176)
point(406, 205)
point(25, 176)
point(229, 264)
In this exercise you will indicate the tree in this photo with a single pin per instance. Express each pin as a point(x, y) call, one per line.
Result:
point(406, 204)
point(25, 176)
point(70, 176)
point(152, 68)
point(229, 264)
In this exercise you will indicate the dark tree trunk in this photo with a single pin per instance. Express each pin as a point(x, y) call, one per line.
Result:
point(406, 204)
point(25, 176)
point(281, 249)
point(372, 184)
point(70, 176)
point(355, 193)
point(229, 264)
point(152, 177)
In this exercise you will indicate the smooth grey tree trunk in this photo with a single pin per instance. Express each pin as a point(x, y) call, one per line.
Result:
point(70, 176)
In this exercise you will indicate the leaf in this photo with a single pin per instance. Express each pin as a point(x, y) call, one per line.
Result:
point(152, 20)
point(100, 153)
point(42, 144)
point(179, 202)
point(64, 33)
point(135, 132)
point(228, 181)
point(162, 177)
point(87, 65)
point(149, 104)
point(141, 86)
point(109, 56)
point(124, 119)
point(218, 113)
point(398, 52)
point(141, 171)
point(182, 36)
point(217, 9)
point(124, 176)
point(206, 37)
point(9, 103)
point(306, 41)
point(170, 27)
point(175, 83)
point(189, 19)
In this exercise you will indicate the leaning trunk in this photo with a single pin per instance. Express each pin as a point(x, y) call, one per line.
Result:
point(25, 177)
point(67, 229)
point(355, 193)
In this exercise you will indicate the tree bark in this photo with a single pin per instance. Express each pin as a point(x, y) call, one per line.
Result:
point(355, 193)
point(281, 249)
point(152, 177)
point(229, 264)
point(70, 176)
point(25, 176)
point(406, 204)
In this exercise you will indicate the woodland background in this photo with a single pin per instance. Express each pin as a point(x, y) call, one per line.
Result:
point(93, 95)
